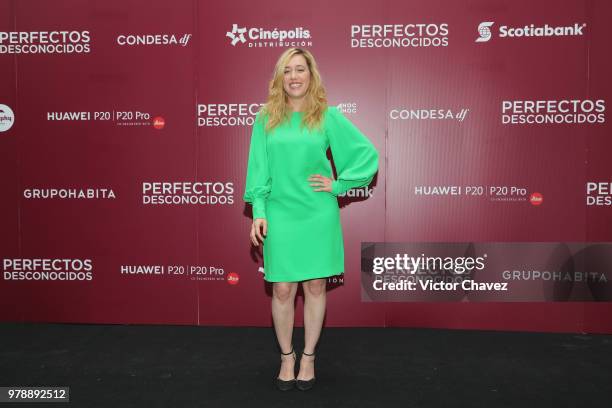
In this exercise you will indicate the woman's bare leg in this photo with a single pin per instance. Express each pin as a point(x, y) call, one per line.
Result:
point(314, 312)
point(283, 310)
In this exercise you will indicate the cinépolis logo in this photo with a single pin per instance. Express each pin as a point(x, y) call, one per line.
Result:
point(45, 42)
point(227, 114)
point(188, 192)
point(266, 37)
point(599, 193)
point(58, 269)
point(563, 111)
point(528, 31)
point(135, 40)
point(410, 35)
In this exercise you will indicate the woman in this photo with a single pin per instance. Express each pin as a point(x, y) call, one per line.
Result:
point(295, 210)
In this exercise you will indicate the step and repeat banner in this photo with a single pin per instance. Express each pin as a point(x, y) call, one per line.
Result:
point(124, 137)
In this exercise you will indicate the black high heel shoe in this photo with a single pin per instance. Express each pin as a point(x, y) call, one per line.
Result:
point(286, 385)
point(304, 385)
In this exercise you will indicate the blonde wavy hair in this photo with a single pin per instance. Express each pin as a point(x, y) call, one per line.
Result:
point(315, 100)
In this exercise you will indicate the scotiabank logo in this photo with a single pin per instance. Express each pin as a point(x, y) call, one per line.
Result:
point(484, 30)
point(532, 30)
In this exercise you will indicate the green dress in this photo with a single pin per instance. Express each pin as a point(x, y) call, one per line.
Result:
point(304, 237)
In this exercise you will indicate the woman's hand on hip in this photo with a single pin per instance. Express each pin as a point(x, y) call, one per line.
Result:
point(256, 227)
point(323, 183)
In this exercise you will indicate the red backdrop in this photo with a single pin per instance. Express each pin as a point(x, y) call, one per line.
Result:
point(125, 125)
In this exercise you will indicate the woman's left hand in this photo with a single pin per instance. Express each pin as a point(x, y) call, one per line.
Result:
point(324, 183)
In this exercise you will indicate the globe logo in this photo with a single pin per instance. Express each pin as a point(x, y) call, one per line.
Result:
point(484, 30)
point(7, 118)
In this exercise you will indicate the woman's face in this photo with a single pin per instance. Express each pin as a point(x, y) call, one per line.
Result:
point(296, 77)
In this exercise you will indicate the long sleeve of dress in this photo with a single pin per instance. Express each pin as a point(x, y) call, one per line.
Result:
point(355, 156)
point(258, 182)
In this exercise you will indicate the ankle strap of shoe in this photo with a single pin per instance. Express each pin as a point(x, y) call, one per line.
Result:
point(286, 354)
point(306, 354)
